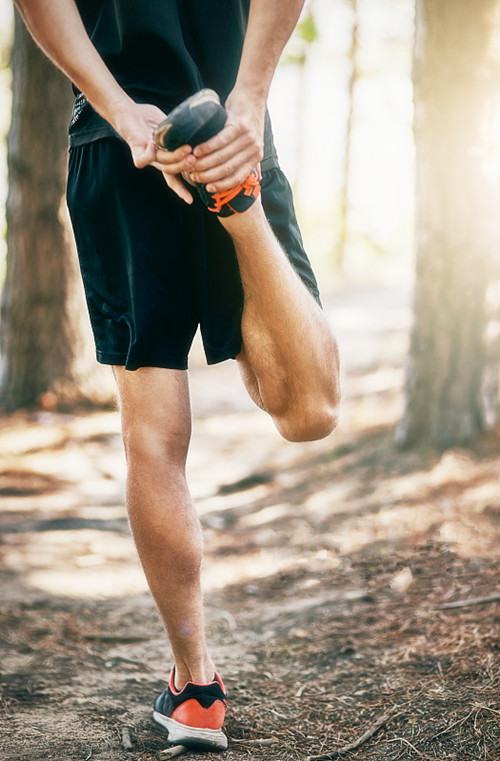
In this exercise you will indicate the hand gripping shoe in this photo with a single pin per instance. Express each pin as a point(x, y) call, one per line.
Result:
point(194, 121)
point(194, 715)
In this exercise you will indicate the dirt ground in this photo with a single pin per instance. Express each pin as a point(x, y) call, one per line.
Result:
point(330, 573)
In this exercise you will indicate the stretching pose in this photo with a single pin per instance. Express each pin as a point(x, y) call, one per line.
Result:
point(156, 263)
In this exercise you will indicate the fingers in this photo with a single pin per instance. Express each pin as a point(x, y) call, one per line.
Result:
point(174, 162)
point(231, 180)
point(136, 126)
point(142, 155)
point(170, 163)
point(227, 159)
point(147, 153)
point(175, 183)
point(224, 154)
point(227, 135)
point(225, 176)
point(220, 163)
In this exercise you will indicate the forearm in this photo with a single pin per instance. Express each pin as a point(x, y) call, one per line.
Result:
point(226, 159)
point(58, 29)
point(270, 24)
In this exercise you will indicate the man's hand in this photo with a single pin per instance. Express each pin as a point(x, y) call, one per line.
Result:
point(136, 124)
point(227, 159)
point(221, 163)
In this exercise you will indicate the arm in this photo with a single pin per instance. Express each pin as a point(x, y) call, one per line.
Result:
point(58, 29)
point(228, 158)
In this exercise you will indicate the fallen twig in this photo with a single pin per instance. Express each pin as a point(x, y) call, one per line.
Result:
point(263, 741)
point(356, 743)
point(486, 708)
point(451, 726)
point(402, 739)
point(126, 739)
point(467, 603)
point(175, 750)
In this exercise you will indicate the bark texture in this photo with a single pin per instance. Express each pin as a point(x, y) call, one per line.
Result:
point(452, 378)
point(40, 334)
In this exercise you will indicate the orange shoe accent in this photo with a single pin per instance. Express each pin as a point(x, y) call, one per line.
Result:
point(192, 714)
point(250, 188)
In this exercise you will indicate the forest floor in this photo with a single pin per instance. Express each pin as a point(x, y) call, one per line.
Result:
point(330, 573)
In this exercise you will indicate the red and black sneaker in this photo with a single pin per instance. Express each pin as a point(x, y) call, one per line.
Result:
point(194, 715)
point(195, 120)
point(233, 201)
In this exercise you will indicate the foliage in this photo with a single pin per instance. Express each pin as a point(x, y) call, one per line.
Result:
point(306, 33)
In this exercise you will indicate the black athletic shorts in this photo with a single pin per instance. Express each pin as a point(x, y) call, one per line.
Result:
point(154, 268)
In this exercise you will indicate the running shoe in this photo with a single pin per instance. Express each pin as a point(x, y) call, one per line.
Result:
point(233, 201)
point(195, 120)
point(194, 715)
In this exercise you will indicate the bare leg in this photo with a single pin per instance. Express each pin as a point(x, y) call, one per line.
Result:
point(156, 426)
point(289, 361)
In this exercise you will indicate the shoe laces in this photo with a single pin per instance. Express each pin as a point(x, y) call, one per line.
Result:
point(248, 187)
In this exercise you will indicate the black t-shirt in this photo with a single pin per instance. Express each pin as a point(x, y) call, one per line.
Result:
point(162, 51)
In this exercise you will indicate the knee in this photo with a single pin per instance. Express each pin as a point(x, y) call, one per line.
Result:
point(146, 444)
point(308, 424)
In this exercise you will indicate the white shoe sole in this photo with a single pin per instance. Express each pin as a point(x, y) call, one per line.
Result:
point(180, 734)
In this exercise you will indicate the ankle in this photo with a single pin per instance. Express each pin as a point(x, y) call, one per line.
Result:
point(242, 224)
point(200, 673)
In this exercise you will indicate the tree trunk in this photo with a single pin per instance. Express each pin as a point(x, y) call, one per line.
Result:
point(456, 78)
point(41, 332)
point(346, 184)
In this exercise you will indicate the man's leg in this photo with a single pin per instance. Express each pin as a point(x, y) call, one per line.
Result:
point(156, 427)
point(289, 360)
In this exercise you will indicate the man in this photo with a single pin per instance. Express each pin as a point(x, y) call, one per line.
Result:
point(156, 263)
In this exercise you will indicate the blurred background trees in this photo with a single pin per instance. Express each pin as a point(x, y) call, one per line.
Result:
point(452, 376)
point(38, 329)
point(44, 337)
point(343, 114)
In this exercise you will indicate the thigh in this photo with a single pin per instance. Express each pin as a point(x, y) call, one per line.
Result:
point(222, 304)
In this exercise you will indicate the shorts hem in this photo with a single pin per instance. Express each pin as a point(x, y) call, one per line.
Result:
point(214, 357)
point(122, 360)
